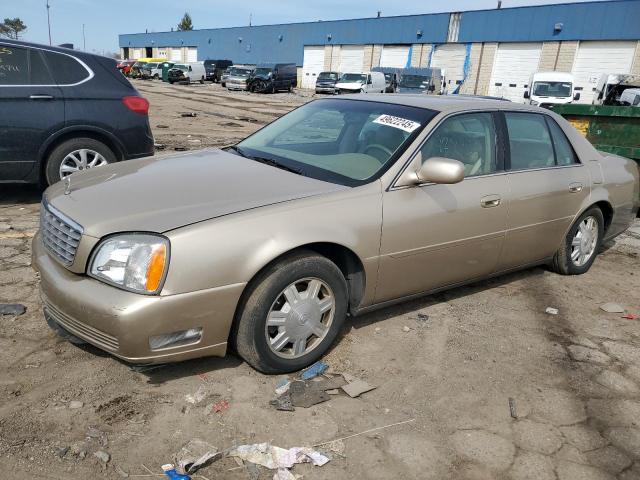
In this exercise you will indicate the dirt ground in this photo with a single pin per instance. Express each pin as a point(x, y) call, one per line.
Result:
point(574, 377)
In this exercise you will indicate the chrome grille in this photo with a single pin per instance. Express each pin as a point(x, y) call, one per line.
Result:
point(61, 235)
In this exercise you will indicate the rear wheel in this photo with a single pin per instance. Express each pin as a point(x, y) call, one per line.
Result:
point(76, 155)
point(581, 245)
point(292, 314)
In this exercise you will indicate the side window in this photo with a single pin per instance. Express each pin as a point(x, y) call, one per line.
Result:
point(66, 70)
point(14, 65)
point(469, 138)
point(564, 152)
point(636, 100)
point(529, 141)
point(324, 126)
point(40, 74)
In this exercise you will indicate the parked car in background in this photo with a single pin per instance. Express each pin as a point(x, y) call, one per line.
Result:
point(420, 80)
point(611, 86)
point(215, 68)
point(326, 82)
point(630, 97)
point(367, 82)
point(224, 76)
point(301, 242)
point(391, 77)
point(238, 78)
point(136, 69)
point(273, 77)
point(64, 111)
point(550, 88)
point(187, 73)
point(125, 66)
point(151, 70)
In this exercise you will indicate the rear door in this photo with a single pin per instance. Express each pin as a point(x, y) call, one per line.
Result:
point(31, 109)
point(547, 185)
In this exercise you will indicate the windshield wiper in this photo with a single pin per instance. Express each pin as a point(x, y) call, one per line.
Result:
point(267, 161)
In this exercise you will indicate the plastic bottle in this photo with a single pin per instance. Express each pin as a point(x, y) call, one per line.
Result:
point(170, 471)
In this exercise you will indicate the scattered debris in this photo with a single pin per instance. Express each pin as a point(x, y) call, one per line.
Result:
point(377, 330)
point(159, 146)
point(362, 433)
point(406, 329)
point(195, 455)
point(162, 126)
point(62, 451)
point(284, 474)
point(357, 387)
point(170, 471)
point(512, 408)
point(552, 311)
point(283, 386)
point(197, 397)
point(189, 114)
point(422, 319)
point(75, 404)
point(102, 456)
point(306, 394)
point(12, 309)
point(612, 308)
point(630, 316)
point(180, 149)
point(220, 406)
point(120, 471)
point(274, 458)
point(314, 370)
point(283, 402)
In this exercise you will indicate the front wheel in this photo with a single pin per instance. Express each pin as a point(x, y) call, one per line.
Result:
point(292, 314)
point(580, 247)
point(76, 155)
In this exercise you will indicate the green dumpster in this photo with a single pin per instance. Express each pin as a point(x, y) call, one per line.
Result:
point(612, 129)
point(165, 70)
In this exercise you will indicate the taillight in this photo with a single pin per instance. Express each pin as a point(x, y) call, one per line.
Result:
point(137, 104)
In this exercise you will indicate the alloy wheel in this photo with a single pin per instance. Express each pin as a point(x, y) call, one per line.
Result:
point(81, 159)
point(300, 318)
point(583, 244)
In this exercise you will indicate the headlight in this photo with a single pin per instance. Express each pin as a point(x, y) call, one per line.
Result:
point(136, 262)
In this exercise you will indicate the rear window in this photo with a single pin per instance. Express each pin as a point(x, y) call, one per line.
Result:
point(66, 70)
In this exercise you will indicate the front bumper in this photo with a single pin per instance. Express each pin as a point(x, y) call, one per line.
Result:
point(325, 89)
point(121, 322)
point(236, 86)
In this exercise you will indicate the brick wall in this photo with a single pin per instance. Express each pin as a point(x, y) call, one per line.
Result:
point(566, 56)
point(477, 82)
point(474, 61)
point(635, 65)
point(420, 55)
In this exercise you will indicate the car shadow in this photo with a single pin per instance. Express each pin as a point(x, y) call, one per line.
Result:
point(13, 194)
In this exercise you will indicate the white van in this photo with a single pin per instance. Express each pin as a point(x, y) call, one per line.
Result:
point(366, 82)
point(550, 88)
point(630, 97)
point(188, 72)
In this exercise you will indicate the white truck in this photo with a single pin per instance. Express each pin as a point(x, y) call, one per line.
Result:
point(550, 88)
point(611, 86)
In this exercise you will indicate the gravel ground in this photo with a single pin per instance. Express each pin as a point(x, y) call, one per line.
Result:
point(574, 378)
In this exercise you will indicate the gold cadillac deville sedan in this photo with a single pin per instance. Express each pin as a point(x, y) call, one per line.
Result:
point(339, 207)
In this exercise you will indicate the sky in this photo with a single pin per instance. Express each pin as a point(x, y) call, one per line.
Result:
point(103, 20)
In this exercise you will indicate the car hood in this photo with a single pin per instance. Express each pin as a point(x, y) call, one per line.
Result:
point(161, 194)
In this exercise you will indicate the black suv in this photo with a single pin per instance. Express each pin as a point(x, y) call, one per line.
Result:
point(272, 77)
point(215, 68)
point(63, 111)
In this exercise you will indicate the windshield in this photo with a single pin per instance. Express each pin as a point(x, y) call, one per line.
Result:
point(414, 81)
point(239, 72)
point(328, 76)
point(552, 89)
point(263, 71)
point(388, 77)
point(353, 77)
point(349, 142)
point(180, 67)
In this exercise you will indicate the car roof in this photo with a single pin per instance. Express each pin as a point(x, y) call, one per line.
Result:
point(442, 103)
point(68, 51)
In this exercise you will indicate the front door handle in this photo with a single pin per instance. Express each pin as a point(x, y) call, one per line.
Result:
point(490, 201)
point(41, 97)
point(575, 187)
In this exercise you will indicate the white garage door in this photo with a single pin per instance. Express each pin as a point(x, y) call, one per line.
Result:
point(137, 53)
point(176, 55)
point(192, 54)
point(450, 58)
point(596, 58)
point(312, 65)
point(395, 56)
point(351, 58)
point(512, 69)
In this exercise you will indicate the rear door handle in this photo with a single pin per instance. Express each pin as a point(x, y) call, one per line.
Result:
point(41, 97)
point(490, 201)
point(575, 187)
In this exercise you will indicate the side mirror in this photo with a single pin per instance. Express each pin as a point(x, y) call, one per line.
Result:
point(526, 94)
point(576, 96)
point(369, 82)
point(435, 170)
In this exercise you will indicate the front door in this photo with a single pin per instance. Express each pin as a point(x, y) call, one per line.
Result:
point(547, 185)
point(31, 106)
point(439, 235)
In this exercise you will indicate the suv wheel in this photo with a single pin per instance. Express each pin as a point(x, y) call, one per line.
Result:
point(76, 155)
point(581, 245)
point(292, 314)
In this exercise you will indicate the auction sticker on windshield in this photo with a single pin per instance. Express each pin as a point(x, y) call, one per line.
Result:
point(397, 122)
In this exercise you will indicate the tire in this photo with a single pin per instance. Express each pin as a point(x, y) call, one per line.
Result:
point(156, 77)
point(563, 262)
point(223, 84)
point(202, 80)
point(170, 82)
point(58, 155)
point(273, 88)
point(249, 336)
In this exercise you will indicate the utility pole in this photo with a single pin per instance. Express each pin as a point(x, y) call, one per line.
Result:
point(49, 22)
point(250, 15)
point(84, 40)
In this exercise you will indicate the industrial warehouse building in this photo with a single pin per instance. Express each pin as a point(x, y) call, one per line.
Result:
point(483, 52)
